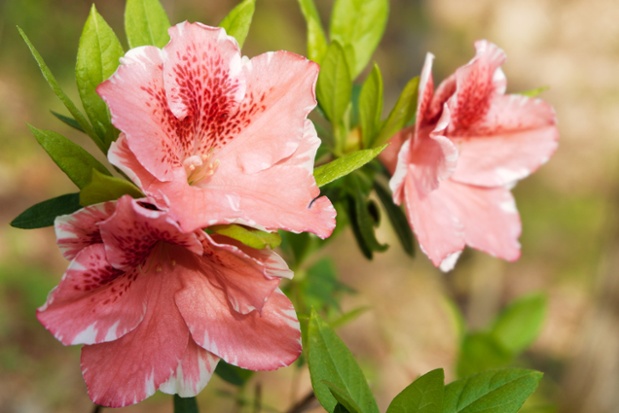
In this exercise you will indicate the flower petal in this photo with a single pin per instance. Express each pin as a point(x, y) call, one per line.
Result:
point(128, 370)
point(514, 138)
point(263, 340)
point(79, 230)
point(94, 302)
point(193, 372)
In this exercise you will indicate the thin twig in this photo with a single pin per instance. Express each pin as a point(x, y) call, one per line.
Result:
point(303, 404)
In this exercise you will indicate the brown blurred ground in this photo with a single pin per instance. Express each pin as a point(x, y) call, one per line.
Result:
point(571, 234)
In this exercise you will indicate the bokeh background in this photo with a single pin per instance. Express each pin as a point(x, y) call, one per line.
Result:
point(569, 208)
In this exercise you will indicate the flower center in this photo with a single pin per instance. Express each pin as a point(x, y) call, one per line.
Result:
point(199, 167)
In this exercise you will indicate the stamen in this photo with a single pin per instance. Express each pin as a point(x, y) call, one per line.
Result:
point(198, 168)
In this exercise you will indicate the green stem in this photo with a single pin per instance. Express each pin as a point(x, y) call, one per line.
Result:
point(185, 404)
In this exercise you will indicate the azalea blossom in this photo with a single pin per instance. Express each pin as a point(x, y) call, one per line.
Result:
point(218, 138)
point(156, 308)
point(471, 143)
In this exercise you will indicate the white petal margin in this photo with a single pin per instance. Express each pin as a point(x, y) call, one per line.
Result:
point(193, 373)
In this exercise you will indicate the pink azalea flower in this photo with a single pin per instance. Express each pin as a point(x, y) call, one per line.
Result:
point(217, 138)
point(471, 142)
point(156, 308)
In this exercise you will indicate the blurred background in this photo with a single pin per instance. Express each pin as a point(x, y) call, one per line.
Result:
point(570, 242)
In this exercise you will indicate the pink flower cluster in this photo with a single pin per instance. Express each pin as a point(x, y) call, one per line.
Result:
point(454, 168)
point(211, 138)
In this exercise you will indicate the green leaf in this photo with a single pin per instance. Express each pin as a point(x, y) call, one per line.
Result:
point(237, 22)
point(185, 404)
point(343, 398)
point(70, 157)
point(43, 214)
point(68, 121)
point(316, 39)
point(361, 24)
point(371, 106)
point(146, 23)
point(321, 285)
point(397, 218)
point(233, 374)
point(480, 351)
point(251, 237)
point(520, 323)
point(401, 114)
point(532, 93)
point(424, 395)
point(334, 86)
point(68, 103)
point(497, 391)
point(104, 188)
point(343, 166)
point(348, 316)
point(330, 360)
point(98, 57)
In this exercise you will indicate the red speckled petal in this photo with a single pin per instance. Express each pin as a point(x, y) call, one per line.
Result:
point(513, 139)
point(193, 372)
point(134, 230)
point(128, 370)
point(136, 97)
point(94, 302)
point(263, 340)
point(76, 231)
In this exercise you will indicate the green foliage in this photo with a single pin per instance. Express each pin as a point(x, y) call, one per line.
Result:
point(497, 391)
point(513, 330)
point(334, 87)
point(233, 374)
point(251, 237)
point(98, 57)
point(316, 39)
point(72, 159)
point(397, 218)
point(533, 93)
point(371, 106)
point(68, 121)
point(424, 395)
point(402, 113)
point(360, 24)
point(321, 286)
point(332, 366)
point(146, 23)
point(43, 214)
point(343, 166)
point(185, 404)
point(237, 22)
point(104, 188)
point(68, 103)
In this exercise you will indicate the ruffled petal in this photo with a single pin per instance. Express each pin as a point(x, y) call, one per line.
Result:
point(513, 139)
point(76, 231)
point(128, 370)
point(94, 302)
point(193, 372)
point(260, 340)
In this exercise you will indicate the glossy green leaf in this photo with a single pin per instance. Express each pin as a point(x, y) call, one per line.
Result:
point(104, 188)
point(496, 391)
point(43, 214)
point(480, 351)
point(249, 236)
point(401, 114)
point(233, 374)
point(316, 39)
point(185, 404)
point(98, 57)
point(146, 23)
point(397, 217)
point(68, 121)
point(68, 103)
point(343, 166)
point(520, 323)
point(424, 395)
point(334, 86)
point(330, 361)
point(343, 398)
point(237, 22)
point(371, 106)
point(70, 157)
point(360, 23)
